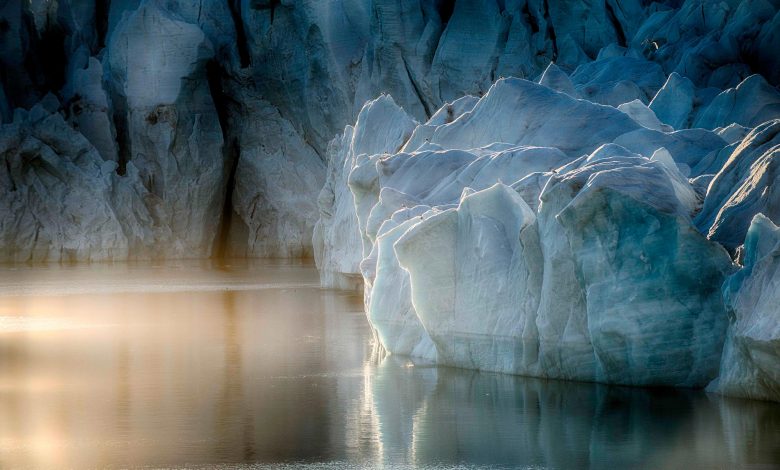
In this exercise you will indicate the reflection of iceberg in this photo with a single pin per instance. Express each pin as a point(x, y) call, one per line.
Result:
point(444, 416)
point(398, 395)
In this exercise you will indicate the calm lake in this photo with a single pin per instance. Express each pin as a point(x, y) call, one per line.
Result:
point(251, 364)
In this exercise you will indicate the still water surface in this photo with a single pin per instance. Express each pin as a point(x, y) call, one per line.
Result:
point(252, 365)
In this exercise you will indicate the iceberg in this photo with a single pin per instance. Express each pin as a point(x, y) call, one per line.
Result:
point(478, 275)
point(530, 232)
point(498, 247)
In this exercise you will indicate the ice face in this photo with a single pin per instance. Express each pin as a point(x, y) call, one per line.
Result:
point(668, 325)
point(382, 126)
point(745, 186)
point(44, 215)
point(155, 67)
point(617, 80)
point(483, 288)
point(390, 309)
point(750, 103)
point(475, 280)
point(673, 104)
point(751, 358)
point(519, 112)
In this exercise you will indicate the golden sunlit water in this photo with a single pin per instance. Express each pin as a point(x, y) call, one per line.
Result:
point(250, 364)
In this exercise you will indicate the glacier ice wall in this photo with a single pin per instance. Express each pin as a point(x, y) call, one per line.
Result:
point(221, 113)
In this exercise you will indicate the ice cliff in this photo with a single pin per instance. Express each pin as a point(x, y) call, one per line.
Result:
point(568, 189)
point(219, 114)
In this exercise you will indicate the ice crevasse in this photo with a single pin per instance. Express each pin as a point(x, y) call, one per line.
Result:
point(533, 232)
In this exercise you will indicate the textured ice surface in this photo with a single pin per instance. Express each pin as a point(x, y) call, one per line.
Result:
point(674, 102)
point(390, 308)
point(56, 206)
point(156, 65)
point(276, 182)
point(381, 127)
point(521, 112)
point(748, 184)
point(643, 115)
point(751, 356)
point(617, 80)
point(482, 290)
point(750, 103)
point(475, 276)
point(655, 314)
point(556, 79)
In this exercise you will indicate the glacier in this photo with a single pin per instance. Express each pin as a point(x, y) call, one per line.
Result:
point(223, 107)
point(574, 190)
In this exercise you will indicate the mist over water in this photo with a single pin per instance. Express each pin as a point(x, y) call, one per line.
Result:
point(197, 364)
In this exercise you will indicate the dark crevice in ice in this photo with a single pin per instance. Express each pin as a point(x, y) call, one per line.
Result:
point(102, 8)
point(241, 40)
point(45, 60)
point(121, 126)
point(550, 30)
point(231, 151)
point(417, 91)
point(621, 35)
point(270, 5)
point(215, 76)
point(530, 19)
point(445, 9)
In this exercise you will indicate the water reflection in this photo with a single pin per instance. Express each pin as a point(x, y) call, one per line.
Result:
point(280, 371)
point(492, 419)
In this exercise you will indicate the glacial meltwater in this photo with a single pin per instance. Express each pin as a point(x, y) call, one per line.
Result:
point(252, 365)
